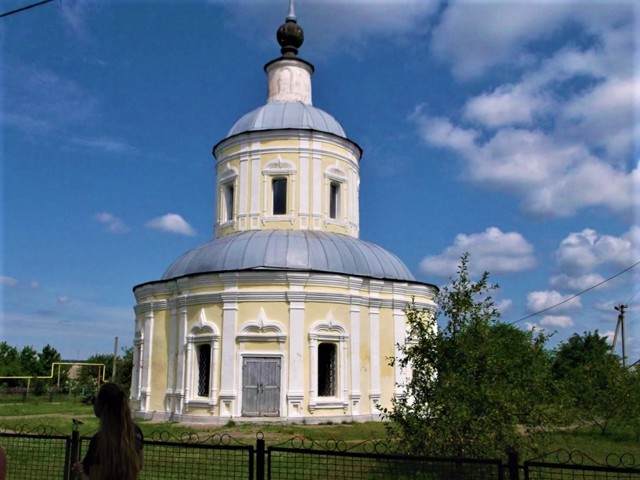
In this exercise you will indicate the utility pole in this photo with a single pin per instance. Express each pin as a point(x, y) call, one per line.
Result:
point(620, 326)
point(115, 357)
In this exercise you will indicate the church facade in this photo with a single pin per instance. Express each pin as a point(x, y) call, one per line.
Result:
point(286, 314)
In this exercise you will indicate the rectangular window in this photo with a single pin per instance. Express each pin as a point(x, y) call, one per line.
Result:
point(279, 189)
point(204, 369)
point(334, 200)
point(327, 370)
point(228, 202)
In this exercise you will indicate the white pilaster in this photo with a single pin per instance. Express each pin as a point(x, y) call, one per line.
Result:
point(228, 392)
point(145, 384)
point(354, 394)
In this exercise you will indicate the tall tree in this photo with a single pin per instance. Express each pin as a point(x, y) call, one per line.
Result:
point(46, 358)
point(591, 378)
point(9, 360)
point(477, 387)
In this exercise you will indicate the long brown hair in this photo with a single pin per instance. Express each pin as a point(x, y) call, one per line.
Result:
point(117, 453)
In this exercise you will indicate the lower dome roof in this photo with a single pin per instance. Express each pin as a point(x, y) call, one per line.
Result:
point(299, 250)
point(280, 115)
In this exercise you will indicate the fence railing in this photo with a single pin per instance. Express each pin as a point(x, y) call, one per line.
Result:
point(43, 453)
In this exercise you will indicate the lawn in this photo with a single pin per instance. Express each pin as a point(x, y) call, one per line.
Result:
point(57, 414)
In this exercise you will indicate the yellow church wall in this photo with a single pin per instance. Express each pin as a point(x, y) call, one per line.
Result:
point(280, 143)
point(260, 346)
point(216, 288)
point(387, 350)
point(212, 313)
point(159, 360)
point(274, 312)
point(365, 361)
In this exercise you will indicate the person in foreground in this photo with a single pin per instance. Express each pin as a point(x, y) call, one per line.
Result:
point(115, 452)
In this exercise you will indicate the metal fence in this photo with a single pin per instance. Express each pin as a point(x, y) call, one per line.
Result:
point(42, 453)
point(564, 464)
point(304, 458)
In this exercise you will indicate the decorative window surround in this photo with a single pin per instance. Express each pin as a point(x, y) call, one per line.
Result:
point(262, 330)
point(227, 196)
point(328, 331)
point(274, 170)
point(204, 332)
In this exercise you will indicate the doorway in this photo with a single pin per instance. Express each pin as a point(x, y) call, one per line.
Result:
point(261, 386)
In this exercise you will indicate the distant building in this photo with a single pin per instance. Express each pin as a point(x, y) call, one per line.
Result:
point(286, 314)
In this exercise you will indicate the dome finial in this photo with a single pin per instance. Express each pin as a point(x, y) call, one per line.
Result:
point(292, 13)
point(290, 36)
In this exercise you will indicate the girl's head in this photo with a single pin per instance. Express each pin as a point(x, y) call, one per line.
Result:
point(112, 400)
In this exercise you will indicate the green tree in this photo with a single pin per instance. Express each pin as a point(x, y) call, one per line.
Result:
point(46, 358)
point(591, 379)
point(477, 387)
point(9, 360)
point(29, 361)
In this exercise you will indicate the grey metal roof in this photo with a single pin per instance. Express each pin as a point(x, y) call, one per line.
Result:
point(300, 250)
point(276, 115)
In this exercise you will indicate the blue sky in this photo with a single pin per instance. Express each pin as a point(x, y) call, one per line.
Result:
point(505, 129)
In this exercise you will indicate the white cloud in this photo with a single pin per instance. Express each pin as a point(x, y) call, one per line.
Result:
point(40, 101)
point(109, 145)
point(171, 223)
point(604, 115)
point(441, 132)
point(542, 300)
point(63, 299)
point(74, 16)
point(111, 222)
point(562, 321)
point(476, 36)
point(503, 306)
point(549, 174)
point(562, 123)
point(575, 283)
point(492, 250)
point(506, 105)
point(34, 285)
point(8, 281)
point(581, 252)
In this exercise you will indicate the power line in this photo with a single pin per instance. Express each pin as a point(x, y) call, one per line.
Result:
point(6, 14)
point(631, 297)
point(577, 294)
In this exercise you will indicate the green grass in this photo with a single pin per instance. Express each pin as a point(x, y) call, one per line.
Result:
point(58, 415)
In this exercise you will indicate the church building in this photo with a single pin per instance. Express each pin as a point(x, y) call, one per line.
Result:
point(286, 315)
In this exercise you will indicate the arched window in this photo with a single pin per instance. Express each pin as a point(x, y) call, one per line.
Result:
point(335, 193)
point(279, 192)
point(279, 187)
point(228, 192)
point(328, 342)
point(334, 200)
point(202, 359)
point(327, 369)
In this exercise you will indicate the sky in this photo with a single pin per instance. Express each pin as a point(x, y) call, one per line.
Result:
point(505, 129)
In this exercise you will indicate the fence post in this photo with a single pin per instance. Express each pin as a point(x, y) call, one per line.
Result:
point(514, 471)
point(75, 448)
point(260, 459)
